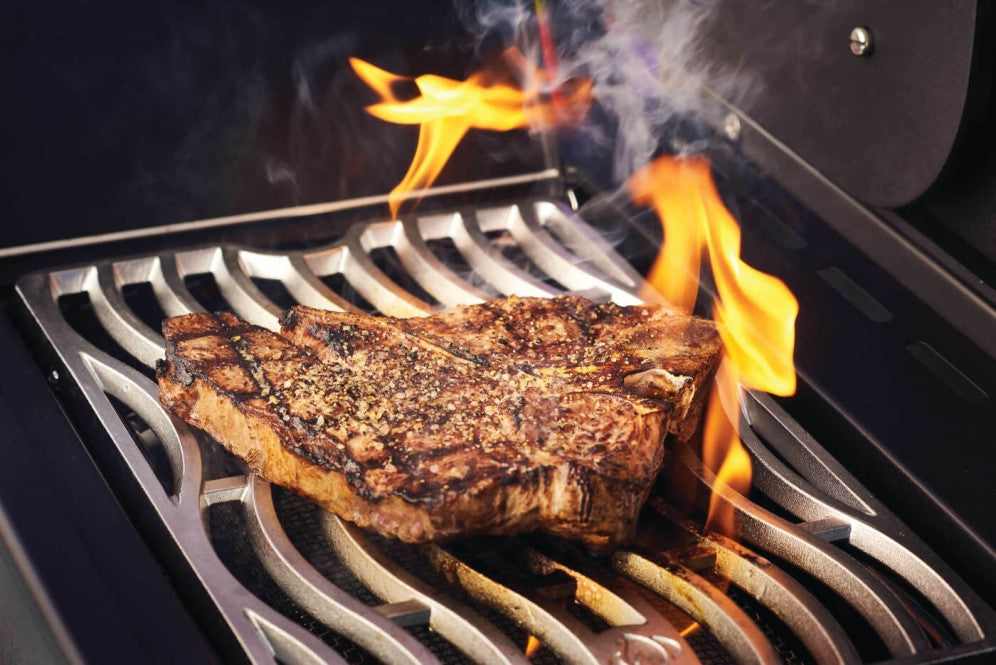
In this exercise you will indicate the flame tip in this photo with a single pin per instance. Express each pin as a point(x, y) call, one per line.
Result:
point(446, 109)
point(755, 312)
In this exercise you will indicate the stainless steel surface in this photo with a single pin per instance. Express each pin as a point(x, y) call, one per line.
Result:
point(861, 41)
point(278, 213)
point(732, 127)
point(636, 596)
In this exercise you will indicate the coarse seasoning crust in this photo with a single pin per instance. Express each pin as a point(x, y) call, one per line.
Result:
point(645, 351)
point(410, 433)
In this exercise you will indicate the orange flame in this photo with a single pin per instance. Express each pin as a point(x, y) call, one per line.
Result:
point(447, 109)
point(532, 646)
point(755, 312)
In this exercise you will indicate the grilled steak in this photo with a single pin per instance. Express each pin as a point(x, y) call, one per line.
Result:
point(416, 436)
point(647, 351)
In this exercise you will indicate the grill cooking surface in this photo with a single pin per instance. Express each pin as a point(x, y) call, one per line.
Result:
point(825, 573)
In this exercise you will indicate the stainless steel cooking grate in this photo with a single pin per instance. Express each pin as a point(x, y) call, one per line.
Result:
point(832, 576)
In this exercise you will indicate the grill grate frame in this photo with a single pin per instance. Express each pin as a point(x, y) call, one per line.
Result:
point(801, 478)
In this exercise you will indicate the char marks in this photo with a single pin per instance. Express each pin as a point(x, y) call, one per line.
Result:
point(474, 421)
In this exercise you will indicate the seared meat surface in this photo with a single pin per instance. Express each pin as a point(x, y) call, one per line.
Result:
point(648, 351)
point(419, 437)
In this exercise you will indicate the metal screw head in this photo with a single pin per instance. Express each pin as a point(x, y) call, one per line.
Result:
point(732, 127)
point(861, 41)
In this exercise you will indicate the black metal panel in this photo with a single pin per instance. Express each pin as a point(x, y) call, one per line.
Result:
point(25, 634)
point(880, 126)
point(96, 574)
point(957, 212)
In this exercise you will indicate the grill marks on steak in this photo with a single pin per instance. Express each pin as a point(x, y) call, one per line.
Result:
point(416, 440)
point(651, 352)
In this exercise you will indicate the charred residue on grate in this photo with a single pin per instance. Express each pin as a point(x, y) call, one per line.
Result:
point(707, 648)
point(663, 542)
point(411, 559)
point(661, 538)
point(302, 522)
point(408, 558)
point(508, 562)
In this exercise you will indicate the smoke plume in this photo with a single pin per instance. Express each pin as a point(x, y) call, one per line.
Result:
point(646, 58)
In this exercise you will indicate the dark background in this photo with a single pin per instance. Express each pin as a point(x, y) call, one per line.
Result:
point(120, 115)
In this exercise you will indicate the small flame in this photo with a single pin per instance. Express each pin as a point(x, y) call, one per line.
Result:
point(722, 450)
point(446, 110)
point(755, 312)
point(532, 646)
point(690, 628)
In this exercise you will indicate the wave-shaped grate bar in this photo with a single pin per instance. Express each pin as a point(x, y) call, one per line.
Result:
point(676, 602)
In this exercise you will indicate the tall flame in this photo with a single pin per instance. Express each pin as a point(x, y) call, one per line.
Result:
point(447, 109)
point(755, 312)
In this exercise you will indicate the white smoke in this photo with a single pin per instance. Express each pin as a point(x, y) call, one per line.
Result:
point(647, 58)
point(278, 172)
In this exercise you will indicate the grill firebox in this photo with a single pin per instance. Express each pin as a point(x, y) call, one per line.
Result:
point(825, 573)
